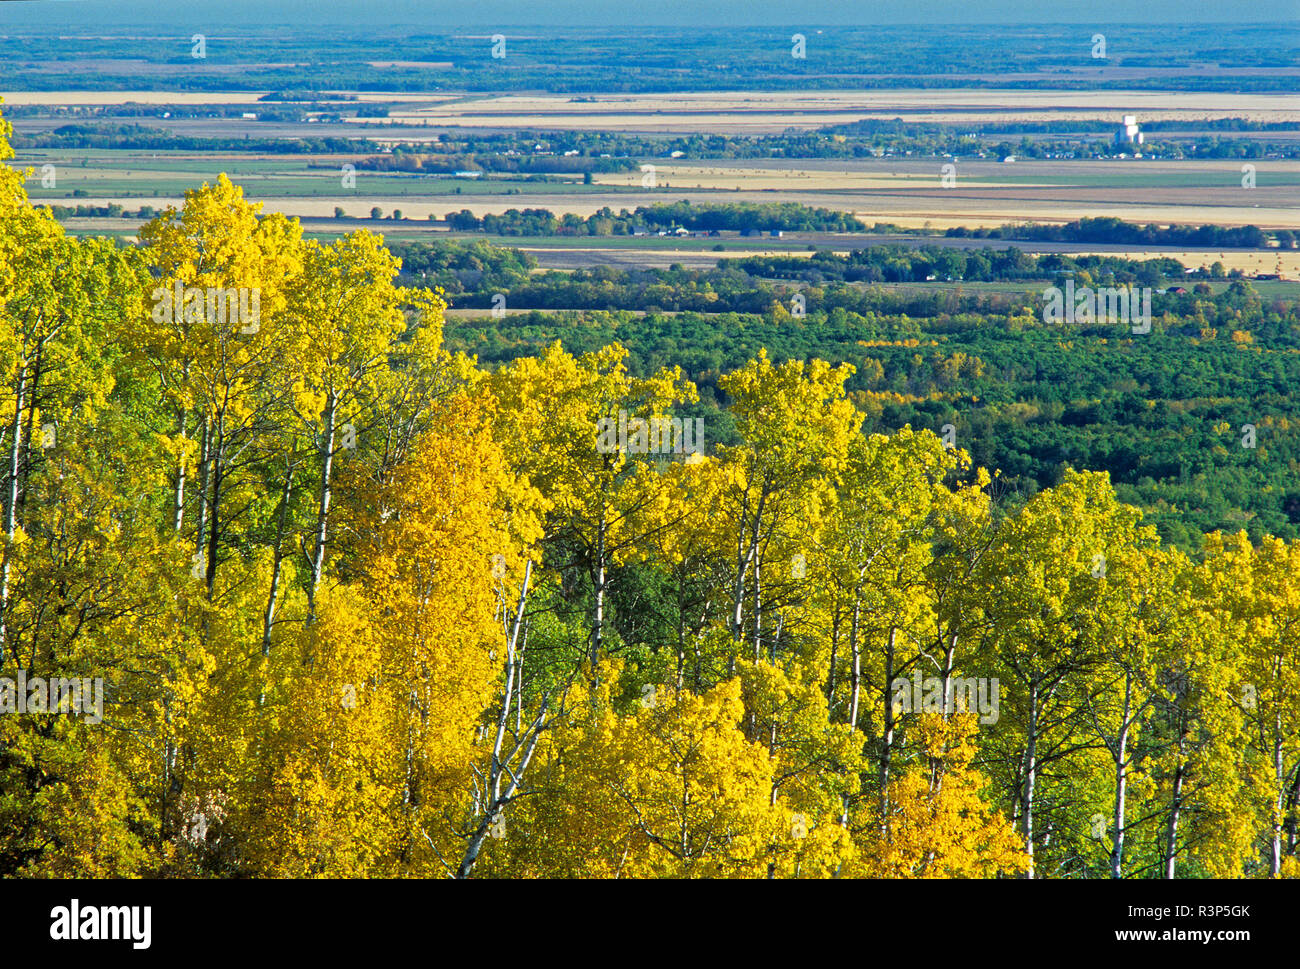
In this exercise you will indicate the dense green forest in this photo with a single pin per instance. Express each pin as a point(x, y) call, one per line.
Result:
point(472, 270)
point(1164, 413)
point(1110, 230)
point(750, 217)
point(744, 217)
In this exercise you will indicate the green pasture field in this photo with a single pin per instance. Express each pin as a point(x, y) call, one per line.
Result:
point(134, 173)
point(121, 174)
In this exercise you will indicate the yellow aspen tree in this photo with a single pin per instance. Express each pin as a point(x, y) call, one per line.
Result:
point(561, 423)
point(796, 422)
point(943, 830)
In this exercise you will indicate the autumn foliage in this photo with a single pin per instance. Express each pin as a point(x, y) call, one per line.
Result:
point(365, 609)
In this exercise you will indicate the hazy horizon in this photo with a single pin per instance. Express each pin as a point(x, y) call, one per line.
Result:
point(593, 13)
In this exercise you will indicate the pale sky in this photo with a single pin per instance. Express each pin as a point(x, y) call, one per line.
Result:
point(578, 13)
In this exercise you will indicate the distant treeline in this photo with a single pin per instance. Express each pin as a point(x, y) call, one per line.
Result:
point(402, 161)
point(308, 96)
point(472, 274)
point(110, 211)
point(1116, 231)
point(132, 136)
point(539, 151)
point(902, 264)
point(738, 217)
point(459, 267)
point(742, 216)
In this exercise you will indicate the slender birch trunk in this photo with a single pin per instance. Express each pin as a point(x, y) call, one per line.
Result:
point(11, 503)
point(1031, 774)
point(1121, 780)
point(323, 508)
point(214, 523)
point(1175, 808)
point(1275, 861)
point(268, 616)
point(495, 798)
point(178, 493)
point(598, 578)
point(855, 671)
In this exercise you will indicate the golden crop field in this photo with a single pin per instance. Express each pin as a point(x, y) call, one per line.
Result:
point(905, 192)
point(740, 111)
point(1285, 262)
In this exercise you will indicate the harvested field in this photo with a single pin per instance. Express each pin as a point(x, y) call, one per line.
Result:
point(755, 113)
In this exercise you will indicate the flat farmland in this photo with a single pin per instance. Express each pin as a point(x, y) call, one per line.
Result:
point(908, 192)
point(905, 192)
point(748, 112)
point(911, 193)
point(611, 110)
